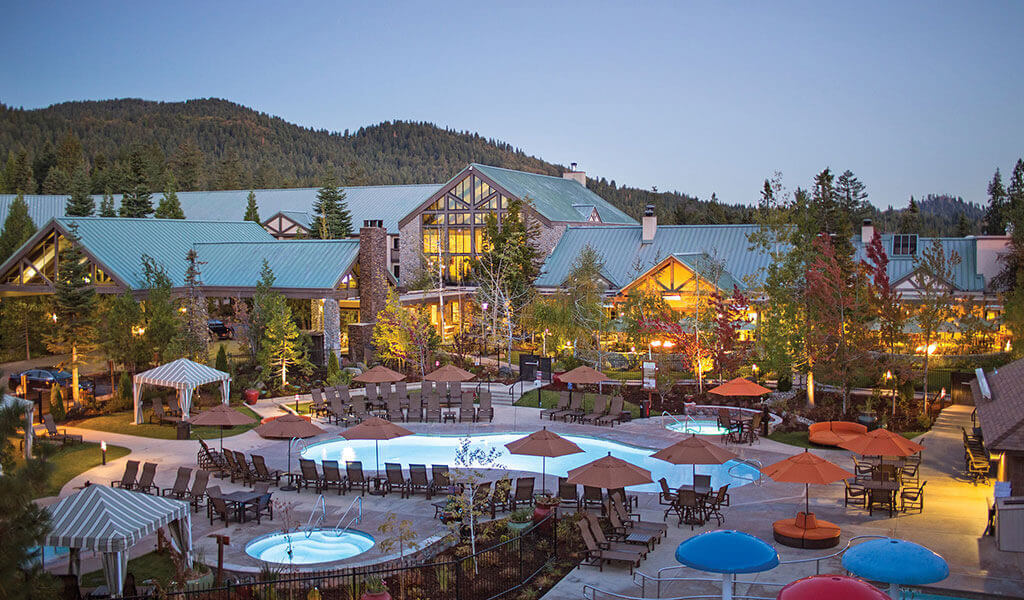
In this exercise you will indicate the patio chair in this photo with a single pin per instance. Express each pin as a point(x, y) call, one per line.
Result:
point(127, 481)
point(263, 504)
point(910, 473)
point(856, 493)
point(159, 415)
point(198, 490)
point(614, 412)
point(245, 469)
point(600, 405)
point(384, 392)
point(628, 500)
point(427, 388)
point(701, 481)
point(359, 410)
point(862, 470)
point(501, 498)
point(180, 488)
point(467, 412)
point(440, 479)
point(262, 473)
point(339, 410)
point(524, 492)
point(415, 412)
point(343, 393)
point(209, 458)
point(624, 528)
point(145, 482)
point(395, 413)
point(634, 522)
point(433, 409)
point(486, 409)
point(370, 394)
point(482, 494)
point(714, 504)
point(218, 508)
point(575, 409)
point(174, 406)
point(913, 497)
point(592, 496)
point(332, 476)
point(395, 479)
point(563, 405)
point(402, 391)
point(59, 434)
point(356, 478)
point(615, 542)
point(418, 480)
point(318, 406)
point(455, 390)
point(596, 556)
point(688, 509)
point(308, 476)
point(232, 469)
point(568, 493)
point(883, 499)
point(666, 497)
point(750, 431)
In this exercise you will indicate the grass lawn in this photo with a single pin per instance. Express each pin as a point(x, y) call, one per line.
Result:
point(121, 422)
point(155, 565)
point(799, 438)
point(70, 460)
point(549, 399)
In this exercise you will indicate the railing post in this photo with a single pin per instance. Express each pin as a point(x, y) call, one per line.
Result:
point(458, 579)
point(519, 543)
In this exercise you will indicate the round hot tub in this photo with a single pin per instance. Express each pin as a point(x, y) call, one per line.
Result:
point(307, 548)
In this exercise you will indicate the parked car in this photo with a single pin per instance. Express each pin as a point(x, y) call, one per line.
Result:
point(220, 331)
point(43, 379)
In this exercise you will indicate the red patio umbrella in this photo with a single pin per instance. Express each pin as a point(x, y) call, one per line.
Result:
point(881, 442)
point(694, 451)
point(543, 443)
point(740, 387)
point(806, 468)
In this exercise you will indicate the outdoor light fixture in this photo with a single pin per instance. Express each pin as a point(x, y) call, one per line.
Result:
point(103, 452)
point(183, 310)
point(931, 349)
point(673, 298)
point(483, 306)
point(667, 344)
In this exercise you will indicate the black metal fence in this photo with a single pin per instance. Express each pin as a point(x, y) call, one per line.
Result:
point(490, 573)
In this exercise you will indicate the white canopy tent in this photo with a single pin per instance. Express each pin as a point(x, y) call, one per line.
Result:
point(111, 520)
point(182, 375)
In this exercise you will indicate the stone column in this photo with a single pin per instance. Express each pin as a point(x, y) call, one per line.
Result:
point(373, 291)
point(332, 328)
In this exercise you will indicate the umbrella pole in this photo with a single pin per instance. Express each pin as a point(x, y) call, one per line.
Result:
point(543, 475)
point(376, 457)
point(807, 499)
point(222, 440)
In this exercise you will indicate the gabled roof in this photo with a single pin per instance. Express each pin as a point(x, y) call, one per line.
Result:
point(297, 264)
point(965, 275)
point(299, 217)
point(553, 197)
point(1002, 414)
point(626, 257)
point(181, 374)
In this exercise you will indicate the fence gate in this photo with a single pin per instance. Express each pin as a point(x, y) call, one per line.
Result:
point(960, 387)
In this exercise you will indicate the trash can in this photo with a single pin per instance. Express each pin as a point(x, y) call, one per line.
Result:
point(184, 430)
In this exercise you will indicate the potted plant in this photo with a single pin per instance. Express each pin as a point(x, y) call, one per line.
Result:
point(867, 415)
point(544, 506)
point(375, 589)
point(251, 396)
point(520, 519)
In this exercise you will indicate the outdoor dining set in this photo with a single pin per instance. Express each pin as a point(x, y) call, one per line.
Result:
point(882, 483)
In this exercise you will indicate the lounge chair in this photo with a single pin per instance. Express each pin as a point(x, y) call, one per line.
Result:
point(600, 405)
point(359, 410)
point(856, 493)
point(395, 479)
point(180, 488)
point(614, 413)
point(418, 480)
point(912, 497)
point(332, 476)
point(210, 459)
point(501, 498)
point(198, 490)
point(343, 393)
point(262, 473)
point(568, 493)
point(415, 412)
point(231, 467)
point(454, 390)
point(318, 405)
point(524, 492)
point(356, 478)
point(395, 413)
point(614, 543)
point(59, 434)
point(563, 405)
point(592, 497)
point(245, 469)
point(440, 479)
point(370, 394)
point(621, 523)
point(308, 476)
point(159, 414)
point(467, 412)
point(131, 471)
point(174, 406)
point(575, 409)
point(628, 500)
point(339, 410)
point(433, 409)
point(486, 410)
point(596, 556)
point(482, 494)
point(402, 391)
point(145, 482)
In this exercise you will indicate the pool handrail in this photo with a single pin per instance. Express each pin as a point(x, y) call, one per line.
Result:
point(594, 591)
point(686, 427)
point(749, 462)
point(338, 529)
point(319, 508)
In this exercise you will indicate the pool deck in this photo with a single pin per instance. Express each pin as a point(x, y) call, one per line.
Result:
point(951, 524)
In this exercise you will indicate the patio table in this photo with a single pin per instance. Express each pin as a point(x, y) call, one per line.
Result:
point(240, 500)
point(886, 486)
point(641, 538)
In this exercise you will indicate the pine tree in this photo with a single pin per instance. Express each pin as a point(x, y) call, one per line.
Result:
point(193, 338)
point(964, 227)
point(57, 181)
point(281, 348)
point(170, 207)
point(221, 362)
point(122, 340)
point(332, 220)
point(137, 203)
point(995, 213)
point(80, 204)
point(1015, 191)
point(910, 219)
point(18, 228)
point(160, 315)
point(74, 307)
point(252, 211)
point(107, 205)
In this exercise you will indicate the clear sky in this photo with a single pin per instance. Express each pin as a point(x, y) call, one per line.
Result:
point(702, 97)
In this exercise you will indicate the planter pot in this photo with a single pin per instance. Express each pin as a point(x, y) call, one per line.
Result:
point(519, 526)
point(541, 512)
point(251, 396)
point(868, 419)
point(375, 596)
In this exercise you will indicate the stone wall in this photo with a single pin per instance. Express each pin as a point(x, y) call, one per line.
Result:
point(373, 270)
point(548, 237)
point(360, 342)
point(410, 249)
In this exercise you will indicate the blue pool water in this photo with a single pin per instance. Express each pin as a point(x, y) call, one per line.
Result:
point(322, 545)
point(440, 449)
point(51, 552)
point(698, 426)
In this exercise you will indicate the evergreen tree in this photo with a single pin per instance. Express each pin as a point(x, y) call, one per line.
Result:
point(169, 207)
point(280, 347)
point(160, 315)
point(23, 181)
point(252, 212)
point(107, 205)
point(80, 204)
point(74, 307)
point(136, 203)
point(221, 362)
point(18, 228)
point(1015, 191)
point(258, 316)
point(122, 340)
point(332, 220)
point(57, 182)
point(193, 339)
point(995, 213)
point(69, 153)
point(910, 219)
point(964, 227)
point(187, 166)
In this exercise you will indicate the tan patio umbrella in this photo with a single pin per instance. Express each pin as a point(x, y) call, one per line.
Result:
point(543, 443)
point(221, 416)
point(694, 451)
point(609, 472)
point(881, 442)
point(582, 375)
point(288, 426)
point(376, 429)
point(806, 468)
point(449, 373)
point(379, 374)
point(740, 387)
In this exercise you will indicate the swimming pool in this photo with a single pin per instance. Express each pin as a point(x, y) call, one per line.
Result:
point(698, 426)
point(440, 449)
point(320, 546)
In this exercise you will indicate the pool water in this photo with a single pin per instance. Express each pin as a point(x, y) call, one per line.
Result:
point(440, 449)
point(322, 545)
point(698, 426)
point(50, 553)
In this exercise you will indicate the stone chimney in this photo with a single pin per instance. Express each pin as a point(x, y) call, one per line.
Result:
point(867, 232)
point(579, 177)
point(373, 289)
point(649, 224)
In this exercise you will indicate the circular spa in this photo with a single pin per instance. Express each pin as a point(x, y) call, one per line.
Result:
point(702, 419)
point(440, 449)
point(319, 546)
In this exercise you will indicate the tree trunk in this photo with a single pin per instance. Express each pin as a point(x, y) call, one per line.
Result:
point(74, 374)
point(28, 347)
point(924, 403)
point(810, 383)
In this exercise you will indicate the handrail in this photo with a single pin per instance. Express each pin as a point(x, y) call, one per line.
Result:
point(591, 593)
point(750, 462)
point(686, 427)
point(338, 529)
point(321, 506)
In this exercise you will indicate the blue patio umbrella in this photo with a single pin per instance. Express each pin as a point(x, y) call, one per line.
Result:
point(728, 552)
point(896, 562)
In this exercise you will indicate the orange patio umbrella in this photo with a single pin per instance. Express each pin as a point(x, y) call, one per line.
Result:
point(806, 468)
point(694, 451)
point(881, 442)
point(376, 429)
point(288, 426)
point(379, 374)
point(543, 443)
point(221, 416)
point(449, 373)
point(740, 387)
point(609, 472)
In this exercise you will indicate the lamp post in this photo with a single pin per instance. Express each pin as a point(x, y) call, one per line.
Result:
point(544, 342)
point(103, 453)
point(754, 368)
point(890, 380)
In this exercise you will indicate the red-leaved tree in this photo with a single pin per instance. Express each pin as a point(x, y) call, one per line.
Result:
point(730, 313)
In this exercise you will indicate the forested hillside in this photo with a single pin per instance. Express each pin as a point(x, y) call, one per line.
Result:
point(131, 145)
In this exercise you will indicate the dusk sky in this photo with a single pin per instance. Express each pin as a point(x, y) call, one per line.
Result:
point(914, 97)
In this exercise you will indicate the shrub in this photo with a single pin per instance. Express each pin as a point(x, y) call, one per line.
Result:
point(333, 369)
point(57, 404)
point(221, 363)
point(122, 399)
point(785, 383)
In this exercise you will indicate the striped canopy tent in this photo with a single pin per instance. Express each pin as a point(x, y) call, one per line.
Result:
point(111, 521)
point(184, 376)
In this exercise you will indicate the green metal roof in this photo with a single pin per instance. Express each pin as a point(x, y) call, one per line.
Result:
point(696, 262)
point(555, 198)
point(297, 264)
point(119, 243)
point(965, 275)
